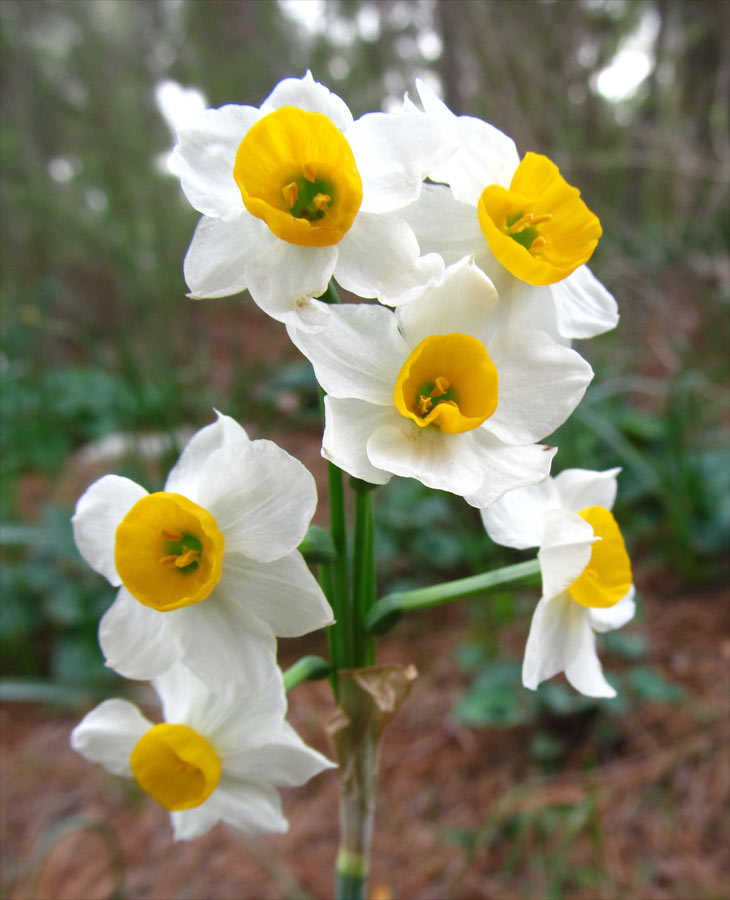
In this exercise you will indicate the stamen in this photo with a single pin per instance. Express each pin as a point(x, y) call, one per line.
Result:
point(167, 560)
point(524, 221)
point(186, 558)
point(321, 201)
point(538, 244)
point(442, 385)
point(290, 192)
point(539, 220)
point(309, 171)
point(424, 404)
point(173, 536)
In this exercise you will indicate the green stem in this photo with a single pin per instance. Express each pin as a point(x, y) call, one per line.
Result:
point(351, 877)
point(342, 629)
point(388, 610)
point(330, 295)
point(308, 668)
point(363, 574)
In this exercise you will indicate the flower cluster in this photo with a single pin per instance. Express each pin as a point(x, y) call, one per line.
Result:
point(209, 575)
point(478, 262)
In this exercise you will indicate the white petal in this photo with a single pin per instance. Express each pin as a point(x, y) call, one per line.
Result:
point(262, 498)
point(379, 257)
point(443, 225)
point(485, 156)
point(135, 639)
point(236, 723)
point(109, 733)
point(99, 511)
point(565, 551)
point(224, 644)
point(614, 616)
point(442, 461)
point(192, 823)
point(505, 468)
point(558, 631)
point(516, 519)
point(183, 477)
point(540, 384)
point(205, 155)
point(584, 307)
point(215, 264)
point(463, 301)
point(527, 306)
point(348, 426)
point(254, 807)
point(284, 760)
point(284, 594)
point(585, 672)
point(308, 94)
point(394, 152)
point(287, 276)
point(579, 488)
point(359, 354)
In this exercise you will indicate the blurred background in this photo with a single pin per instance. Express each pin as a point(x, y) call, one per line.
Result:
point(107, 367)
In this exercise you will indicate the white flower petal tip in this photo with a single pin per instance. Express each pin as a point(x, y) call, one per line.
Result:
point(208, 567)
point(586, 572)
point(373, 364)
point(237, 747)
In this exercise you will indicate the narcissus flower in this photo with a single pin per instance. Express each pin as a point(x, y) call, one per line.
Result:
point(442, 390)
point(215, 757)
point(586, 572)
point(527, 228)
point(296, 191)
point(208, 567)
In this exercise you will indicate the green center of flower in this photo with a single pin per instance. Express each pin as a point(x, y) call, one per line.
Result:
point(176, 766)
point(168, 551)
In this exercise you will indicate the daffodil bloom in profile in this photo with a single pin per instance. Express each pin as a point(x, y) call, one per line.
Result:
point(296, 192)
point(586, 572)
point(208, 568)
point(527, 228)
point(442, 389)
point(215, 757)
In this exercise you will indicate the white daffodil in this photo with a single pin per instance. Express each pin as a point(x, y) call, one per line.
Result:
point(215, 757)
point(586, 572)
point(442, 390)
point(208, 567)
point(526, 227)
point(295, 192)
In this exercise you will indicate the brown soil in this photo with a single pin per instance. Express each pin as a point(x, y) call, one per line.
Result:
point(643, 816)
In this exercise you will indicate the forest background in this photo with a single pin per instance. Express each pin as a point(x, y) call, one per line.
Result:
point(487, 789)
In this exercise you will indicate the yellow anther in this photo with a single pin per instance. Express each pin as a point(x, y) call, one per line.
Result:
point(321, 201)
point(538, 244)
point(424, 404)
point(309, 172)
point(186, 558)
point(442, 385)
point(167, 560)
point(173, 536)
point(524, 221)
point(290, 192)
point(540, 220)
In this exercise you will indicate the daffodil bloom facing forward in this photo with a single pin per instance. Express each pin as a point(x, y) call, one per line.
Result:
point(442, 390)
point(296, 191)
point(208, 567)
point(527, 228)
point(586, 572)
point(215, 757)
